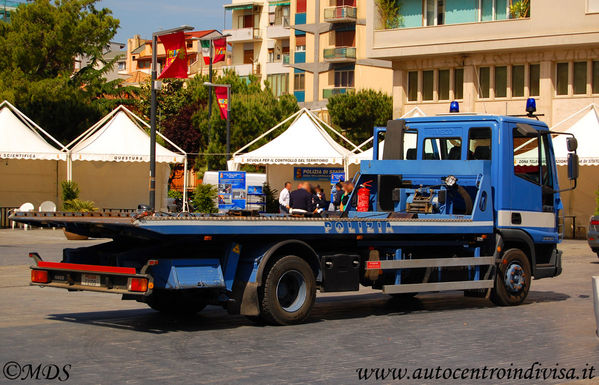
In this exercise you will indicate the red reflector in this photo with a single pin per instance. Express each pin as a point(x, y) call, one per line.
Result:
point(138, 284)
point(595, 222)
point(39, 276)
point(373, 265)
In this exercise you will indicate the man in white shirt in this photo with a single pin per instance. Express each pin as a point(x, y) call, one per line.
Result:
point(284, 199)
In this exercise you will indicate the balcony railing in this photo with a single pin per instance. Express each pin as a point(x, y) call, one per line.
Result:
point(340, 54)
point(328, 92)
point(243, 34)
point(285, 59)
point(341, 14)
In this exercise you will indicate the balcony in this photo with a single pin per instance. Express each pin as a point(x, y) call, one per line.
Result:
point(241, 69)
point(340, 54)
point(276, 68)
point(242, 35)
point(280, 29)
point(344, 14)
point(328, 92)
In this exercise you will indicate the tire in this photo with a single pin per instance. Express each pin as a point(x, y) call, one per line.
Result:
point(512, 281)
point(176, 303)
point(289, 292)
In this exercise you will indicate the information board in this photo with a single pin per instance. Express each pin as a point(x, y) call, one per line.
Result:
point(314, 173)
point(232, 194)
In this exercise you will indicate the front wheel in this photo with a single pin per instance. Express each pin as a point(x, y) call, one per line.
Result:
point(289, 291)
point(512, 281)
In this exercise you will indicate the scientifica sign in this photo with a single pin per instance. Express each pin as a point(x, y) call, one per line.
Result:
point(17, 155)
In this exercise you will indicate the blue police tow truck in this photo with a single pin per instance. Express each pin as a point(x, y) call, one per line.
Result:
point(456, 202)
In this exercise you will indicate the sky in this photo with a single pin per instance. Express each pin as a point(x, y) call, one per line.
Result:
point(146, 16)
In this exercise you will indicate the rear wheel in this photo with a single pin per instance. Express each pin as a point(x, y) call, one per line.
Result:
point(176, 303)
point(512, 281)
point(289, 291)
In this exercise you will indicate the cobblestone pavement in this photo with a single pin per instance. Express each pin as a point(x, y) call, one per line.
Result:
point(109, 341)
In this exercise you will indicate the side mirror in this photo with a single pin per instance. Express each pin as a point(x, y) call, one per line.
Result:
point(572, 144)
point(572, 163)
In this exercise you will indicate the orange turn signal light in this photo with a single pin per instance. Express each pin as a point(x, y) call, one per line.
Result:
point(39, 276)
point(138, 284)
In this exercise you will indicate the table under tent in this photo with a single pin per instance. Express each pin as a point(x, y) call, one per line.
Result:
point(110, 162)
point(304, 146)
point(30, 164)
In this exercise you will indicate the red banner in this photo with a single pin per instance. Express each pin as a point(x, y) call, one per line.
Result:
point(220, 50)
point(222, 100)
point(175, 65)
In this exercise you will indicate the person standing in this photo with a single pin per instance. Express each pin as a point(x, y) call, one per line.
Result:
point(348, 188)
point(301, 199)
point(338, 195)
point(320, 200)
point(284, 198)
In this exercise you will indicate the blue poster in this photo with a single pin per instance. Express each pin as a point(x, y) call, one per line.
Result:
point(255, 190)
point(314, 173)
point(336, 177)
point(231, 190)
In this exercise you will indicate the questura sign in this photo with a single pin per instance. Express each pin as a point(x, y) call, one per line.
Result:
point(356, 227)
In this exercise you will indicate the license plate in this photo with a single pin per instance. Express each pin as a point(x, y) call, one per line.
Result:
point(90, 280)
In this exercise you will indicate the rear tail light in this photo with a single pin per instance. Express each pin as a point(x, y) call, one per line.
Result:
point(138, 284)
point(595, 222)
point(39, 276)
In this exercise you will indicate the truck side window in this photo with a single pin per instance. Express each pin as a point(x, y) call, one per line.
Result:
point(442, 148)
point(526, 157)
point(479, 143)
point(410, 143)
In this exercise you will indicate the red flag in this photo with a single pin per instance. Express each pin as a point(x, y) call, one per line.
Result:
point(222, 100)
point(176, 56)
point(220, 50)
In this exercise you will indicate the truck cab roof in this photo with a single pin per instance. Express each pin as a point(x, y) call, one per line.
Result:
point(459, 118)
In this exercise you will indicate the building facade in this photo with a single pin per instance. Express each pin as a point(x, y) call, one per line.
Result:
point(112, 51)
point(310, 48)
point(489, 56)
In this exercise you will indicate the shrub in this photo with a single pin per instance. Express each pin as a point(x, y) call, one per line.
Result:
point(79, 205)
point(204, 199)
point(70, 190)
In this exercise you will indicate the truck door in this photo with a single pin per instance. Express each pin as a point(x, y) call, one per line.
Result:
point(531, 185)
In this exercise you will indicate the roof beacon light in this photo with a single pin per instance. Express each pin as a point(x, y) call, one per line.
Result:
point(454, 107)
point(531, 106)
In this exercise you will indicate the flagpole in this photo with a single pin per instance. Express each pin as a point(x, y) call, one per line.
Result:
point(155, 35)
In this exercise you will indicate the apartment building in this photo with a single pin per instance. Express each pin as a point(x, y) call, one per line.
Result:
point(489, 58)
point(111, 51)
point(259, 41)
point(311, 48)
point(138, 62)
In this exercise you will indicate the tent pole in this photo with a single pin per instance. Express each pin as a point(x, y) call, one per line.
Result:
point(184, 205)
point(152, 200)
point(69, 166)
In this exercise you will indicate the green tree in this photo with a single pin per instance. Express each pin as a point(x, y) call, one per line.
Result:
point(389, 15)
point(597, 200)
point(358, 113)
point(37, 52)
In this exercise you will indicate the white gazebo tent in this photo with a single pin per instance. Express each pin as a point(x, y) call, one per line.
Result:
point(584, 124)
point(358, 155)
point(109, 162)
point(29, 165)
point(305, 143)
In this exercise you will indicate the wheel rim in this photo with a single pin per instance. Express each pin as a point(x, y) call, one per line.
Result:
point(515, 278)
point(291, 291)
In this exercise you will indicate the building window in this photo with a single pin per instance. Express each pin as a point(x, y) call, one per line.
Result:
point(143, 64)
point(484, 82)
point(344, 78)
point(122, 66)
point(345, 38)
point(596, 77)
point(435, 12)
point(279, 84)
point(299, 82)
point(517, 81)
point(427, 85)
point(300, 6)
point(458, 83)
point(413, 86)
point(534, 79)
point(501, 82)
point(492, 10)
point(561, 79)
point(300, 43)
point(443, 85)
point(580, 78)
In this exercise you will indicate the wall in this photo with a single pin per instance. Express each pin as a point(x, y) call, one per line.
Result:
point(120, 185)
point(31, 181)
